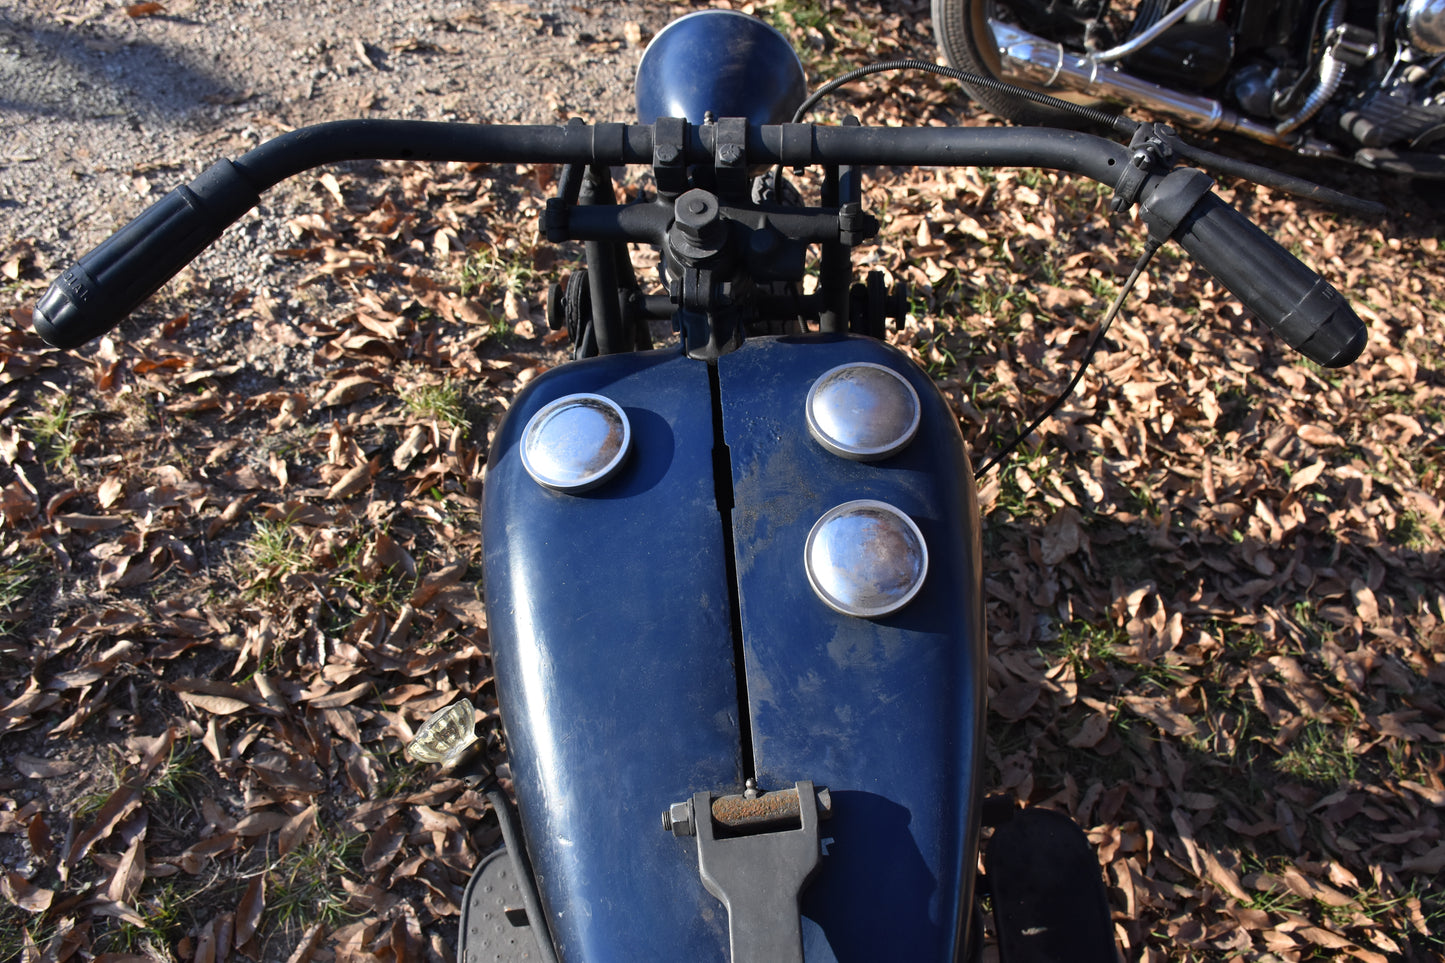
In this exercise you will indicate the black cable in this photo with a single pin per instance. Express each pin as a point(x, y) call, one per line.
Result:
point(1286, 100)
point(1150, 247)
point(1268, 177)
point(1115, 122)
point(531, 900)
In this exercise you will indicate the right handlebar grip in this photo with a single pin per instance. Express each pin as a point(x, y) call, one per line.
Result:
point(1301, 307)
point(95, 294)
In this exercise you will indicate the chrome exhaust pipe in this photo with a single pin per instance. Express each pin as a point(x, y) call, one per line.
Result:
point(1039, 63)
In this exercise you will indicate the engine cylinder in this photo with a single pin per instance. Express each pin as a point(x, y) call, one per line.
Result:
point(1425, 25)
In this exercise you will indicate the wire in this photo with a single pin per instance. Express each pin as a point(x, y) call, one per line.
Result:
point(1115, 122)
point(1150, 247)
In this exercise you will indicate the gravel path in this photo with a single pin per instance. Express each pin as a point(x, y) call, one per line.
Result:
point(102, 112)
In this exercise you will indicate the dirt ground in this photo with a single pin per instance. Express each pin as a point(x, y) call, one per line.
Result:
point(102, 111)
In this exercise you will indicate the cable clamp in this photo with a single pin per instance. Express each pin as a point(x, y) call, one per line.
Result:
point(1153, 154)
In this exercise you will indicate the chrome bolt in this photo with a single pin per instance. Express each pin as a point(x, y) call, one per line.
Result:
point(678, 819)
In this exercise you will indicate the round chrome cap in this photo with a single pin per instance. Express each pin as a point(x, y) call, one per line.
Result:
point(576, 443)
point(866, 558)
point(863, 411)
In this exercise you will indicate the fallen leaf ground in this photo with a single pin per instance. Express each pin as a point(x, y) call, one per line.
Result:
point(239, 567)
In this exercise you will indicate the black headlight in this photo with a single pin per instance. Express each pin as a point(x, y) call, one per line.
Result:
point(721, 61)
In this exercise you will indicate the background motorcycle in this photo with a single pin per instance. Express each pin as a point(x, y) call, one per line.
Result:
point(1357, 81)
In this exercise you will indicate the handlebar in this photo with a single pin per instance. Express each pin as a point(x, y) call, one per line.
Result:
point(105, 285)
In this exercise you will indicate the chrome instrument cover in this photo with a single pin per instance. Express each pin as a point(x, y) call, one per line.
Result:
point(862, 411)
point(866, 558)
point(576, 443)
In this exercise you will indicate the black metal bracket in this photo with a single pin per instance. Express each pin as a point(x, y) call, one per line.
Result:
point(755, 853)
point(669, 155)
point(730, 157)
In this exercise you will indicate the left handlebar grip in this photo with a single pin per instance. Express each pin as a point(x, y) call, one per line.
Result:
point(96, 293)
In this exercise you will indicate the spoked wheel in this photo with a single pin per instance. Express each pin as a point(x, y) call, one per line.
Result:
point(962, 31)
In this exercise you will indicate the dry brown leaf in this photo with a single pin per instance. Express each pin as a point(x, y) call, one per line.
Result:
point(22, 893)
point(32, 767)
point(1320, 437)
point(1063, 536)
point(1091, 733)
point(463, 602)
point(383, 845)
point(308, 944)
point(1221, 875)
point(217, 704)
point(215, 739)
point(1162, 712)
point(110, 490)
point(1431, 863)
point(347, 390)
point(297, 830)
point(1015, 700)
point(435, 582)
point(352, 482)
point(130, 873)
point(333, 186)
point(332, 700)
point(121, 802)
point(249, 910)
point(1306, 476)
point(261, 823)
point(87, 523)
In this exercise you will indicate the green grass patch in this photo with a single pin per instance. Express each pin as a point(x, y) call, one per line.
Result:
point(1414, 531)
point(489, 270)
point(445, 402)
point(55, 432)
point(1320, 753)
point(1086, 647)
point(20, 574)
point(305, 886)
point(274, 551)
point(178, 783)
point(162, 905)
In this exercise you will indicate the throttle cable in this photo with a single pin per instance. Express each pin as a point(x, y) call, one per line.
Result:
point(1151, 245)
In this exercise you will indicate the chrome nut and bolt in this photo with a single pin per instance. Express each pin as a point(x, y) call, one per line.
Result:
point(678, 819)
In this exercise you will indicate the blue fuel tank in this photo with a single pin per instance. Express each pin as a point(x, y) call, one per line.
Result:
point(617, 618)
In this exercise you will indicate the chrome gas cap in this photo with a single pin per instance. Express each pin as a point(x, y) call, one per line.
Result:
point(866, 558)
point(863, 411)
point(575, 443)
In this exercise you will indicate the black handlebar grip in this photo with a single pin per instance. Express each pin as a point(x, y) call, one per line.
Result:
point(98, 292)
point(1301, 307)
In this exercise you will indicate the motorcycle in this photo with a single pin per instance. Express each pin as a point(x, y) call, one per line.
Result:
point(1360, 82)
point(734, 583)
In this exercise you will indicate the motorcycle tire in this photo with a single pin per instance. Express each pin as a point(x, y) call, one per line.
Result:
point(961, 29)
